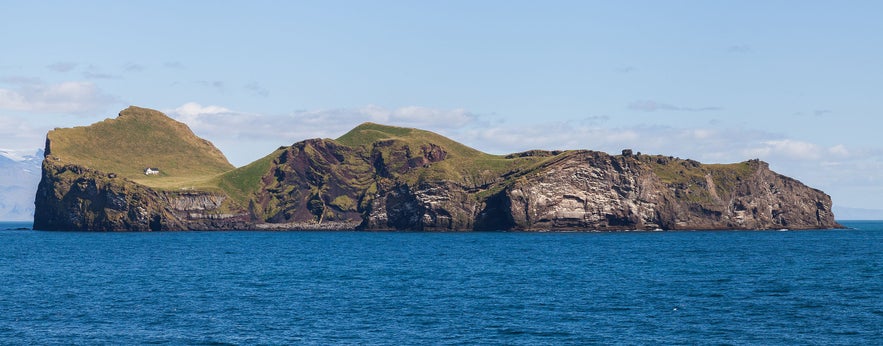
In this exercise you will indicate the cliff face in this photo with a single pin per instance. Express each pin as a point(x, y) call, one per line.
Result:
point(386, 178)
point(597, 191)
point(72, 197)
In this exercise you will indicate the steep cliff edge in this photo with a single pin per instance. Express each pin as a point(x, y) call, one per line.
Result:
point(93, 178)
point(590, 190)
point(388, 178)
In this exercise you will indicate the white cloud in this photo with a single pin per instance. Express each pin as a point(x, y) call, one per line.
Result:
point(217, 121)
point(193, 109)
point(313, 123)
point(416, 116)
point(19, 135)
point(245, 136)
point(66, 97)
point(838, 150)
point(703, 133)
point(704, 144)
point(786, 148)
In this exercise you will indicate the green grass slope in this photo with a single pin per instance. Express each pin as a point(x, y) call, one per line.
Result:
point(463, 164)
point(244, 181)
point(137, 139)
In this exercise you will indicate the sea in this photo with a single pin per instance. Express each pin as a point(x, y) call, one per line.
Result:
point(393, 288)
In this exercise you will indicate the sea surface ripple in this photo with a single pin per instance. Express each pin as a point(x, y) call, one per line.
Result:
point(721, 287)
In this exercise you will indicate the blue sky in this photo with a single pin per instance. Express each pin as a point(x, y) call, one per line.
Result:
point(797, 84)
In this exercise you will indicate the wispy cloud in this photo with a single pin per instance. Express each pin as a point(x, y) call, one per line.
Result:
point(93, 72)
point(821, 112)
point(739, 49)
point(257, 89)
point(133, 67)
point(815, 113)
point(652, 106)
point(66, 97)
point(173, 65)
point(214, 84)
point(20, 80)
point(62, 66)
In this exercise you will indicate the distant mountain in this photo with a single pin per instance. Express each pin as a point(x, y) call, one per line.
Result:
point(19, 177)
point(846, 213)
point(379, 177)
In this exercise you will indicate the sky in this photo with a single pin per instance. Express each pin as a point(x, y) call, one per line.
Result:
point(798, 84)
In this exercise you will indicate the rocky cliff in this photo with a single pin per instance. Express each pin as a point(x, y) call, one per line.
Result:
point(387, 178)
point(73, 197)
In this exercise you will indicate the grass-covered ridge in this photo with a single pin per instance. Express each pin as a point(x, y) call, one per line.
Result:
point(462, 164)
point(367, 134)
point(137, 139)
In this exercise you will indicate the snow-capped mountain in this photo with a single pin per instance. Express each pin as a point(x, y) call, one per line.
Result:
point(19, 176)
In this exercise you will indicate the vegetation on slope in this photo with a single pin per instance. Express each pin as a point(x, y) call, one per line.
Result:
point(691, 179)
point(140, 138)
point(244, 181)
point(462, 163)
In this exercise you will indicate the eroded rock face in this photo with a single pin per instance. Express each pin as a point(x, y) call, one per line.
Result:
point(72, 197)
point(442, 206)
point(587, 191)
point(601, 192)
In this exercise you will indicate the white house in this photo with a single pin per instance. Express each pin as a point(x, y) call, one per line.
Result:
point(151, 171)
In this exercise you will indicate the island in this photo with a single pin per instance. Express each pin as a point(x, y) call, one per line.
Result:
point(144, 171)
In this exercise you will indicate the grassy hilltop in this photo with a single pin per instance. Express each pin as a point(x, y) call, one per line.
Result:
point(137, 139)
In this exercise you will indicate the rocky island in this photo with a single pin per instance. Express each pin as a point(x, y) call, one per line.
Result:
point(144, 171)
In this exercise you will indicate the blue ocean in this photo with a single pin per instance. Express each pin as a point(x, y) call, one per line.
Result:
point(721, 287)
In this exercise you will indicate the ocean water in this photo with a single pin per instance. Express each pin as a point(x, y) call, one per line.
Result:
point(722, 287)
